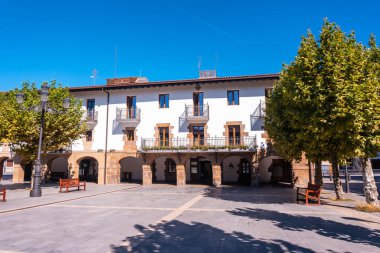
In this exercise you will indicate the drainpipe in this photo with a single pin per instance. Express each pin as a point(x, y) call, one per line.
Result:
point(106, 145)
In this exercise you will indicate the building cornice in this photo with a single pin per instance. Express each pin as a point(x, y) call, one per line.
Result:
point(174, 83)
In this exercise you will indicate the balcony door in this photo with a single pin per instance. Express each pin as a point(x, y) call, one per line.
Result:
point(198, 103)
point(131, 107)
point(90, 108)
point(198, 135)
point(233, 135)
point(164, 136)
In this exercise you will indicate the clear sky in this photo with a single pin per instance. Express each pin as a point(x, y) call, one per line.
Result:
point(65, 40)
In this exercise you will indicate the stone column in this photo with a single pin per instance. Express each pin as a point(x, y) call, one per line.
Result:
point(255, 171)
point(18, 173)
point(216, 175)
point(101, 175)
point(113, 171)
point(181, 175)
point(147, 175)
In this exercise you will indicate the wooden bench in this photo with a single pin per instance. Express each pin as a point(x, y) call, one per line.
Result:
point(69, 183)
point(312, 191)
point(3, 192)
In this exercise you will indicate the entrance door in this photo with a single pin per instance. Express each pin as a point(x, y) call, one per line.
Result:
point(198, 103)
point(194, 175)
point(233, 135)
point(244, 172)
point(198, 135)
point(84, 169)
point(164, 136)
point(28, 171)
point(205, 172)
point(154, 169)
point(131, 107)
point(170, 171)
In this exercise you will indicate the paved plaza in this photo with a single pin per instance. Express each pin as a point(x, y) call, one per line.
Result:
point(164, 218)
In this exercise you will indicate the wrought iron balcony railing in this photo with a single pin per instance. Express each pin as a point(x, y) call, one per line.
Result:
point(92, 115)
point(257, 117)
point(197, 111)
point(127, 114)
point(195, 144)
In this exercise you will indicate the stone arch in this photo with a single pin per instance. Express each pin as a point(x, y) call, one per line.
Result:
point(275, 169)
point(164, 169)
point(199, 170)
point(131, 169)
point(236, 169)
point(88, 169)
point(57, 167)
point(3, 160)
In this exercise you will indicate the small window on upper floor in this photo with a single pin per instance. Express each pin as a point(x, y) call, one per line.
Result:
point(130, 134)
point(163, 100)
point(233, 97)
point(89, 135)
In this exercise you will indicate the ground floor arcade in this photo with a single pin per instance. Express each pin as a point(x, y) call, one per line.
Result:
point(178, 168)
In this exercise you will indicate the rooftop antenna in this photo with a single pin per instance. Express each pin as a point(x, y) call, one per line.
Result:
point(199, 63)
point(216, 61)
point(115, 63)
point(94, 75)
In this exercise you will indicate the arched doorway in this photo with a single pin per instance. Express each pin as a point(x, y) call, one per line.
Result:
point(164, 170)
point(198, 171)
point(4, 162)
point(236, 170)
point(28, 169)
point(88, 169)
point(275, 169)
point(58, 168)
point(131, 169)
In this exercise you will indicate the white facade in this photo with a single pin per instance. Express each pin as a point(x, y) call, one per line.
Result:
point(251, 92)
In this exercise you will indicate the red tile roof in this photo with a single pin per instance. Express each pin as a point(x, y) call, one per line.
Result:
point(111, 84)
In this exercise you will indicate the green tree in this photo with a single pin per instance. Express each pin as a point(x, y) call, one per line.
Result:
point(20, 124)
point(324, 98)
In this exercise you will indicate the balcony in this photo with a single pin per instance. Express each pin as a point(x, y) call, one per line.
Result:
point(91, 119)
point(197, 114)
point(211, 144)
point(128, 117)
point(257, 117)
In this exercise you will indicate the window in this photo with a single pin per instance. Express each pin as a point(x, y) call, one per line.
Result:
point(170, 166)
point(131, 107)
point(130, 134)
point(89, 135)
point(90, 109)
point(233, 97)
point(164, 100)
point(164, 136)
point(198, 135)
point(234, 135)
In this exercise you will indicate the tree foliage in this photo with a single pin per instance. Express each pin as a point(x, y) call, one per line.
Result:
point(325, 103)
point(20, 124)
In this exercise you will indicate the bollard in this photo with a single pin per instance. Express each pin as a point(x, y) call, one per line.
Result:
point(330, 177)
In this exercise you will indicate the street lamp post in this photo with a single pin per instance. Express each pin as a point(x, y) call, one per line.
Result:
point(36, 187)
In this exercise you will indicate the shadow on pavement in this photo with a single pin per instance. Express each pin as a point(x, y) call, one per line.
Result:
point(176, 236)
point(327, 228)
point(264, 194)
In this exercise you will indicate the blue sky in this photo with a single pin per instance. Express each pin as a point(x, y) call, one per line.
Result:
point(65, 40)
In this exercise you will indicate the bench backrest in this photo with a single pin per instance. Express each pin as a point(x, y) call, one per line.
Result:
point(314, 187)
point(72, 181)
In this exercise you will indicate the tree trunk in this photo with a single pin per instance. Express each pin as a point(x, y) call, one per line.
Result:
point(318, 173)
point(369, 184)
point(337, 182)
